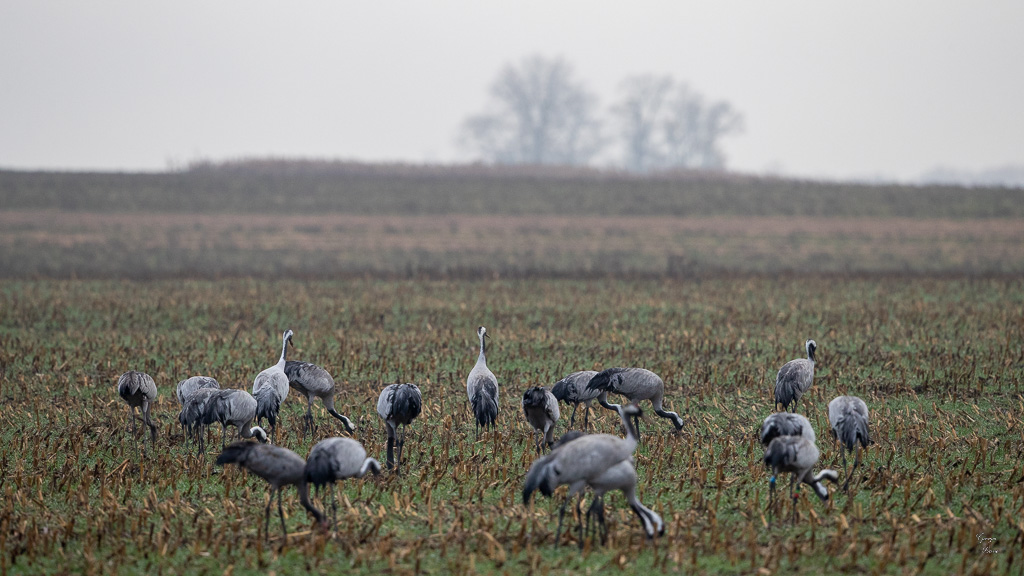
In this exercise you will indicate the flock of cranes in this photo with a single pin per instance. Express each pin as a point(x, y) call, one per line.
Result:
point(601, 462)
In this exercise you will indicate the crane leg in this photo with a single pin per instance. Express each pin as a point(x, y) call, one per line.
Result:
point(856, 462)
point(401, 445)
point(280, 512)
point(561, 515)
point(572, 418)
point(266, 515)
point(391, 446)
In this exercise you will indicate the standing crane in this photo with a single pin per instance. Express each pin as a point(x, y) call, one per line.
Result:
point(541, 410)
point(280, 467)
point(573, 390)
point(270, 387)
point(139, 390)
point(795, 378)
point(635, 384)
point(313, 381)
point(482, 388)
point(848, 416)
point(398, 405)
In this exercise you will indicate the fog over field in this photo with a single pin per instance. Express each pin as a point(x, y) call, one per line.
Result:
point(875, 90)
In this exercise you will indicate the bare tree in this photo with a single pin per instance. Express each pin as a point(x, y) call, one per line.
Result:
point(668, 125)
point(538, 114)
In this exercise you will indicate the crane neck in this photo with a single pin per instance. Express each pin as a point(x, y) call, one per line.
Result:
point(631, 435)
point(284, 352)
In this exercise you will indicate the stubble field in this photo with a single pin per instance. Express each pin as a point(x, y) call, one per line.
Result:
point(914, 295)
point(939, 362)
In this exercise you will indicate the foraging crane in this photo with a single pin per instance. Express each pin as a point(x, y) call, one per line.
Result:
point(795, 377)
point(187, 387)
point(335, 459)
point(848, 416)
point(635, 384)
point(573, 390)
point(139, 390)
point(398, 405)
point(191, 416)
point(270, 387)
point(313, 381)
point(798, 456)
point(786, 424)
point(280, 467)
point(234, 407)
point(592, 460)
point(482, 388)
point(541, 410)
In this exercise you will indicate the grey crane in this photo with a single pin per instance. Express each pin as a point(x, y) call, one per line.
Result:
point(482, 388)
point(398, 405)
point(541, 410)
point(191, 416)
point(139, 390)
point(188, 387)
point(313, 381)
point(573, 390)
point(280, 467)
point(236, 408)
point(594, 460)
point(270, 388)
point(798, 456)
point(185, 389)
point(786, 424)
point(635, 384)
point(335, 459)
point(795, 378)
point(848, 416)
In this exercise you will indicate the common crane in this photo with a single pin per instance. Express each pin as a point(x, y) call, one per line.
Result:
point(139, 390)
point(635, 384)
point(335, 459)
point(798, 456)
point(592, 460)
point(279, 467)
point(482, 388)
point(313, 381)
point(398, 405)
point(236, 408)
point(270, 388)
point(848, 416)
point(795, 378)
point(541, 410)
point(573, 390)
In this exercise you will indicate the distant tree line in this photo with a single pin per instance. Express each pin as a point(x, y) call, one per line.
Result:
point(539, 113)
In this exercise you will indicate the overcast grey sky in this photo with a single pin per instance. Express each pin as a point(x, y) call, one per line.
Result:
point(827, 89)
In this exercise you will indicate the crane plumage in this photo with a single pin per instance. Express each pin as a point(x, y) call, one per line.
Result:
point(270, 387)
point(279, 467)
point(602, 461)
point(786, 424)
point(233, 407)
point(541, 410)
point(635, 384)
point(573, 390)
point(795, 378)
point(335, 459)
point(798, 456)
point(139, 390)
point(312, 381)
point(187, 387)
point(482, 388)
point(398, 405)
point(848, 416)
